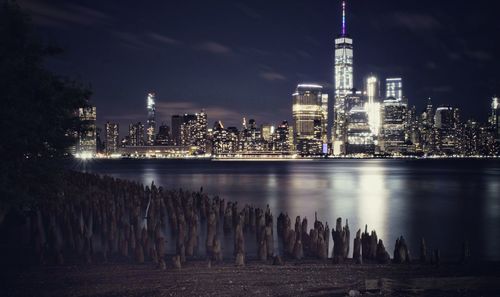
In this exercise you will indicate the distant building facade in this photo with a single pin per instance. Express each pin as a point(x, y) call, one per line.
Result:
point(193, 131)
point(112, 141)
point(359, 135)
point(87, 140)
point(447, 125)
point(136, 134)
point(151, 121)
point(309, 117)
point(495, 117)
point(163, 136)
point(394, 121)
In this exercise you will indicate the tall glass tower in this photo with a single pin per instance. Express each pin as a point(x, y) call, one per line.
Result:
point(344, 60)
point(309, 118)
point(394, 88)
point(495, 117)
point(151, 122)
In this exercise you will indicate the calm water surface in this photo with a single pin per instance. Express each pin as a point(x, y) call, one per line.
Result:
point(445, 201)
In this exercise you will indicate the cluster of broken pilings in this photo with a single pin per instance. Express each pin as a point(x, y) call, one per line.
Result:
point(100, 219)
point(300, 242)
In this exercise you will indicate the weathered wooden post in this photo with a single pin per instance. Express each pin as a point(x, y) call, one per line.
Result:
point(356, 253)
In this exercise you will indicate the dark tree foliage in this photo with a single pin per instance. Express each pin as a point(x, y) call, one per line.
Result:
point(38, 111)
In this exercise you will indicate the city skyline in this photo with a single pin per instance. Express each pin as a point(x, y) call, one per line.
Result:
point(365, 123)
point(265, 96)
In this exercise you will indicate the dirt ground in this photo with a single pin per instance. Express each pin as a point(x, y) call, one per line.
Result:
point(304, 278)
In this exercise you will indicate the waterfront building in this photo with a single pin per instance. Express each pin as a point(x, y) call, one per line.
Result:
point(87, 140)
point(360, 139)
point(283, 139)
point(136, 134)
point(187, 126)
point(495, 117)
point(344, 83)
point(251, 137)
point(194, 131)
point(309, 119)
point(373, 106)
point(100, 146)
point(267, 131)
point(112, 134)
point(324, 119)
point(394, 121)
point(478, 140)
point(151, 121)
point(163, 136)
point(426, 131)
point(412, 134)
point(447, 125)
point(394, 88)
point(372, 89)
point(232, 140)
point(176, 125)
point(224, 142)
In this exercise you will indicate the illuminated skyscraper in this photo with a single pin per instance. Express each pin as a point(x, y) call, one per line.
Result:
point(87, 140)
point(344, 76)
point(372, 89)
point(373, 107)
point(309, 118)
point(282, 139)
point(136, 134)
point(359, 135)
point(224, 141)
point(324, 119)
point(495, 117)
point(194, 131)
point(426, 132)
point(394, 115)
point(111, 137)
point(394, 123)
point(267, 131)
point(394, 88)
point(151, 122)
point(446, 123)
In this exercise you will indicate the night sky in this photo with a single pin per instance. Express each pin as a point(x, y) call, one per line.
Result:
point(244, 58)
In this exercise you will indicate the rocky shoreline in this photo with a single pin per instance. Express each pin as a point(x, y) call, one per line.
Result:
point(293, 278)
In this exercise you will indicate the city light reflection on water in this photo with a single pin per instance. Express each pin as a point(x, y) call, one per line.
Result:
point(445, 201)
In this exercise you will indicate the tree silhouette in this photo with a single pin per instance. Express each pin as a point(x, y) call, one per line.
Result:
point(37, 112)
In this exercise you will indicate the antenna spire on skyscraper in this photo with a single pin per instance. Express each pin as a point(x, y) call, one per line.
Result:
point(343, 18)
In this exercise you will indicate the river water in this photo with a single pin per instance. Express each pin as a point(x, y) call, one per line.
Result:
point(446, 201)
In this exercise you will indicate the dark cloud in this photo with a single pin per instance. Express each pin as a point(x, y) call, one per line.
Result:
point(272, 76)
point(303, 54)
point(215, 48)
point(255, 52)
point(45, 14)
point(479, 55)
point(133, 41)
point(416, 22)
point(164, 39)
